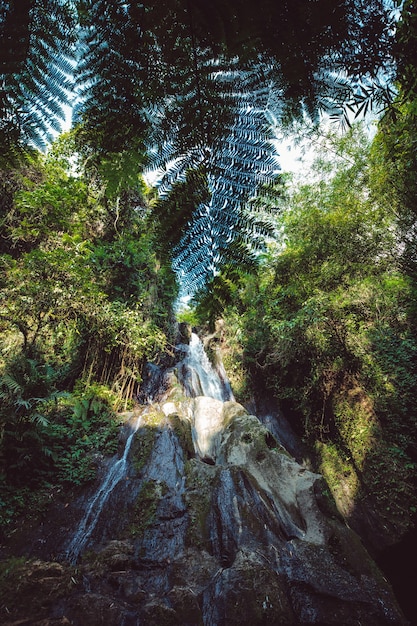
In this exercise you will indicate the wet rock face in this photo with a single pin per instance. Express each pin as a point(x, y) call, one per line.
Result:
point(213, 524)
point(184, 333)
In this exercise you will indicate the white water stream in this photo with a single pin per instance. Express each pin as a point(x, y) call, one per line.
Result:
point(115, 473)
point(199, 376)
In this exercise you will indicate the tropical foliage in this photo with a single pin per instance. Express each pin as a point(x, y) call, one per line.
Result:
point(316, 280)
point(194, 88)
point(191, 88)
point(328, 325)
point(84, 304)
point(36, 62)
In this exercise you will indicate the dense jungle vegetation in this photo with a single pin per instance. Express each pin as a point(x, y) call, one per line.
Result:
point(85, 304)
point(314, 277)
point(328, 325)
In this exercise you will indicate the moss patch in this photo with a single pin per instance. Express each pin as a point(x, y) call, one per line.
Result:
point(142, 447)
point(200, 479)
point(234, 364)
point(364, 465)
point(153, 418)
point(357, 424)
point(182, 428)
point(339, 473)
point(117, 555)
point(144, 509)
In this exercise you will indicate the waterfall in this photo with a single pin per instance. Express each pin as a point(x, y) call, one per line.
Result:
point(115, 473)
point(199, 378)
point(198, 375)
point(206, 519)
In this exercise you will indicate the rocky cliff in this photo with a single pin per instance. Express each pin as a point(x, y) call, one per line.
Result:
point(210, 522)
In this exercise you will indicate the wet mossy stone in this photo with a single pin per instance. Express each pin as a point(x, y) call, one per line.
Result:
point(143, 512)
point(325, 500)
point(182, 428)
point(194, 568)
point(116, 555)
point(30, 588)
point(97, 609)
point(184, 333)
point(175, 393)
point(185, 604)
point(244, 435)
point(154, 418)
point(341, 584)
point(249, 593)
point(232, 410)
point(142, 447)
point(200, 480)
point(159, 614)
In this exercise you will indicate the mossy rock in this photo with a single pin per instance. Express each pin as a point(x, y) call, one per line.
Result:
point(200, 481)
point(244, 435)
point(153, 418)
point(159, 614)
point(325, 500)
point(116, 555)
point(96, 609)
point(186, 606)
point(175, 390)
point(30, 588)
point(252, 594)
point(182, 428)
point(184, 333)
point(142, 447)
point(232, 410)
point(144, 509)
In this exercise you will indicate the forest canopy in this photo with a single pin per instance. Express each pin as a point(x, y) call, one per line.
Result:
point(191, 90)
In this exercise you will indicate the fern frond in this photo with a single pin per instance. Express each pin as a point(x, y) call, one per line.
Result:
point(34, 72)
point(39, 419)
point(9, 386)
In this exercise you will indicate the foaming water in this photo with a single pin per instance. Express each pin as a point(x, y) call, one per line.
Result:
point(198, 375)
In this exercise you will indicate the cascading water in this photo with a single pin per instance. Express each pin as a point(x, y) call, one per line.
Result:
point(198, 376)
point(115, 473)
point(199, 379)
point(210, 388)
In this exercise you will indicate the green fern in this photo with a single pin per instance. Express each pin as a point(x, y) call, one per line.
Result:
point(9, 387)
point(192, 87)
point(39, 419)
point(36, 43)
